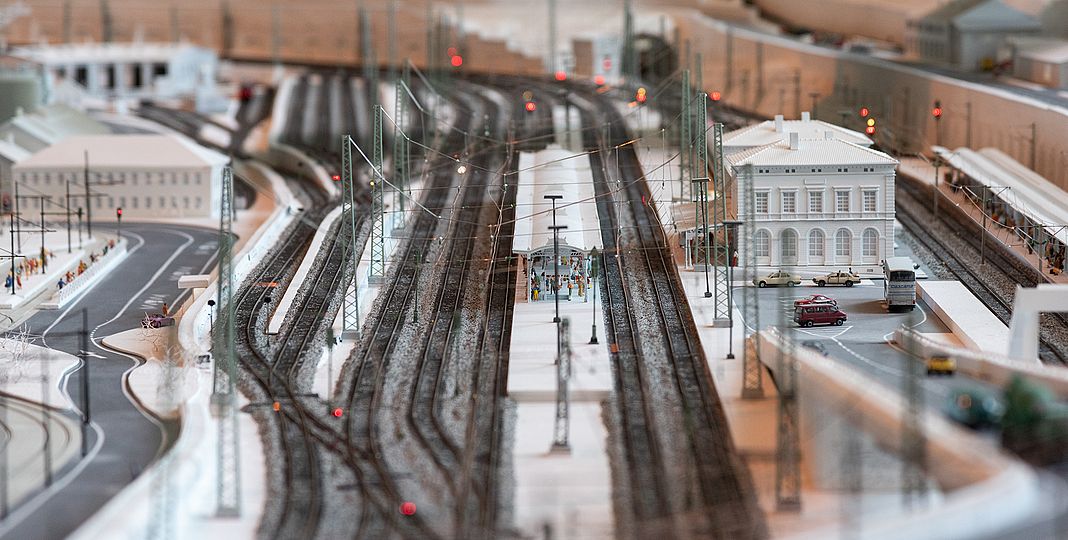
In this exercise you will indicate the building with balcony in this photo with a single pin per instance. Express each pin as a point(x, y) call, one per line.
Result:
point(819, 204)
point(148, 176)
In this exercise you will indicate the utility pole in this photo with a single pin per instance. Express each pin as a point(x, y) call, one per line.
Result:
point(815, 100)
point(685, 138)
point(377, 270)
point(699, 150)
point(759, 74)
point(968, 129)
point(552, 36)
point(227, 29)
point(562, 423)
point(797, 93)
point(105, 22)
point(223, 400)
point(753, 368)
point(720, 246)
point(88, 200)
point(401, 149)
point(729, 54)
point(1034, 145)
point(787, 440)
point(913, 439)
point(595, 269)
point(350, 314)
point(556, 256)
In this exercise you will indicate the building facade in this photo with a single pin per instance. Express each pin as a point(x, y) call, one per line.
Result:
point(148, 176)
point(818, 203)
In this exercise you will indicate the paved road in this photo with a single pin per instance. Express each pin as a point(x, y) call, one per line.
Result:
point(863, 341)
point(122, 440)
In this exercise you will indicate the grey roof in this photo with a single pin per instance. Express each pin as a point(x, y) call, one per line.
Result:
point(1053, 51)
point(764, 133)
point(810, 153)
point(978, 15)
point(125, 151)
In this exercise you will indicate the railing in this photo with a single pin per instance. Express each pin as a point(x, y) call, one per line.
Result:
point(88, 278)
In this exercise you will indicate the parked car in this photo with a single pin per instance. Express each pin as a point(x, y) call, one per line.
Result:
point(975, 408)
point(837, 278)
point(778, 278)
point(157, 320)
point(941, 365)
point(813, 314)
point(816, 299)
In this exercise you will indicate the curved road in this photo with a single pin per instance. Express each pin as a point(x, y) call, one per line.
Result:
point(122, 440)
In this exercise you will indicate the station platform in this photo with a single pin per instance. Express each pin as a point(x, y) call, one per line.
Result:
point(971, 322)
point(569, 493)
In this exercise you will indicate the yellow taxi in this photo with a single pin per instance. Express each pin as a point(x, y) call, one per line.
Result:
point(941, 365)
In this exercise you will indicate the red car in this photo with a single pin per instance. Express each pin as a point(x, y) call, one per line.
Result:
point(157, 320)
point(816, 299)
point(813, 314)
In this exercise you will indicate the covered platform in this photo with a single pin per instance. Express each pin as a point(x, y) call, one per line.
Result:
point(1024, 209)
point(555, 172)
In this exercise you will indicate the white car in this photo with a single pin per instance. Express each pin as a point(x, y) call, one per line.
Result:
point(837, 278)
point(778, 278)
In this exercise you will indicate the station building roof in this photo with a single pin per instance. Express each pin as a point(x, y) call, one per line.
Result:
point(47, 125)
point(772, 131)
point(1046, 50)
point(140, 152)
point(827, 151)
point(555, 171)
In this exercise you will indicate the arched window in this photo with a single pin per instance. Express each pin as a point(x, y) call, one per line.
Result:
point(789, 246)
point(843, 243)
point(761, 244)
point(816, 242)
point(869, 243)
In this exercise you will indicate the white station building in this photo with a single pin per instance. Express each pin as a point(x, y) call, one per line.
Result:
point(820, 203)
point(148, 176)
point(127, 69)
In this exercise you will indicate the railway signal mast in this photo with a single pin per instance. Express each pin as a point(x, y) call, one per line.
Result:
point(753, 370)
point(223, 402)
point(350, 312)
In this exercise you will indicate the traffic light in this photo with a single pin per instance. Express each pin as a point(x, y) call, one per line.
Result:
point(561, 75)
point(118, 213)
point(870, 130)
point(457, 60)
point(716, 96)
point(336, 177)
point(338, 412)
point(864, 112)
point(531, 106)
point(641, 96)
point(937, 110)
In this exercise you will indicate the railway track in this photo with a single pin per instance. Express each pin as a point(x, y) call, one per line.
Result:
point(695, 485)
point(993, 283)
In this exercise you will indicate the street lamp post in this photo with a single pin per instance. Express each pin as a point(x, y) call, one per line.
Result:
point(556, 256)
point(594, 270)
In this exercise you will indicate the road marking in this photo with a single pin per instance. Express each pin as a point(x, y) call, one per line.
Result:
point(825, 333)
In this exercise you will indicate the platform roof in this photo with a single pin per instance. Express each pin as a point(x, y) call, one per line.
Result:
point(555, 171)
point(1028, 193)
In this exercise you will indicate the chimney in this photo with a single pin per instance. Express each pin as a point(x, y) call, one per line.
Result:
point(828, 135)
point(795, 140)
point(805, 117)
point(778, 123)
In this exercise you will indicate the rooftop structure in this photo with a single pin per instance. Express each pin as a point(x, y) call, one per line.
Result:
point(1040, 60)
point(773, 131)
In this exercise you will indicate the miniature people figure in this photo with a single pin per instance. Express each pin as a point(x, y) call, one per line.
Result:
point(166, 310)
point(537, 291)
point(570, 285)
point(60, 284)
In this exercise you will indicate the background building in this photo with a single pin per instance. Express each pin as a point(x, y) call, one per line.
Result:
point(819, 203)
point(966, 34)
point(145, 175)
point(1042, 61)
point(129, 69)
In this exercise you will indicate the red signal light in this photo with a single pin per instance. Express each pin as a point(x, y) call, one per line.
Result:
point(716, 96)
point(870, 130)
point(276, 406)
point(864, 112)
point(336, 177)
point(338, 412)
point(937, 110)
point(531, 106)
point(408, 508)
point(641, 98)
point(561, 75)
point(118, 212)
point(457, 61)
point(599, 80)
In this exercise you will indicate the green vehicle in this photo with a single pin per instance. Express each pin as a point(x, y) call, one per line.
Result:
point(975, 408)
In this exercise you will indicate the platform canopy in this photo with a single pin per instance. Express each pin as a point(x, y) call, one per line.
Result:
point(555, 171)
